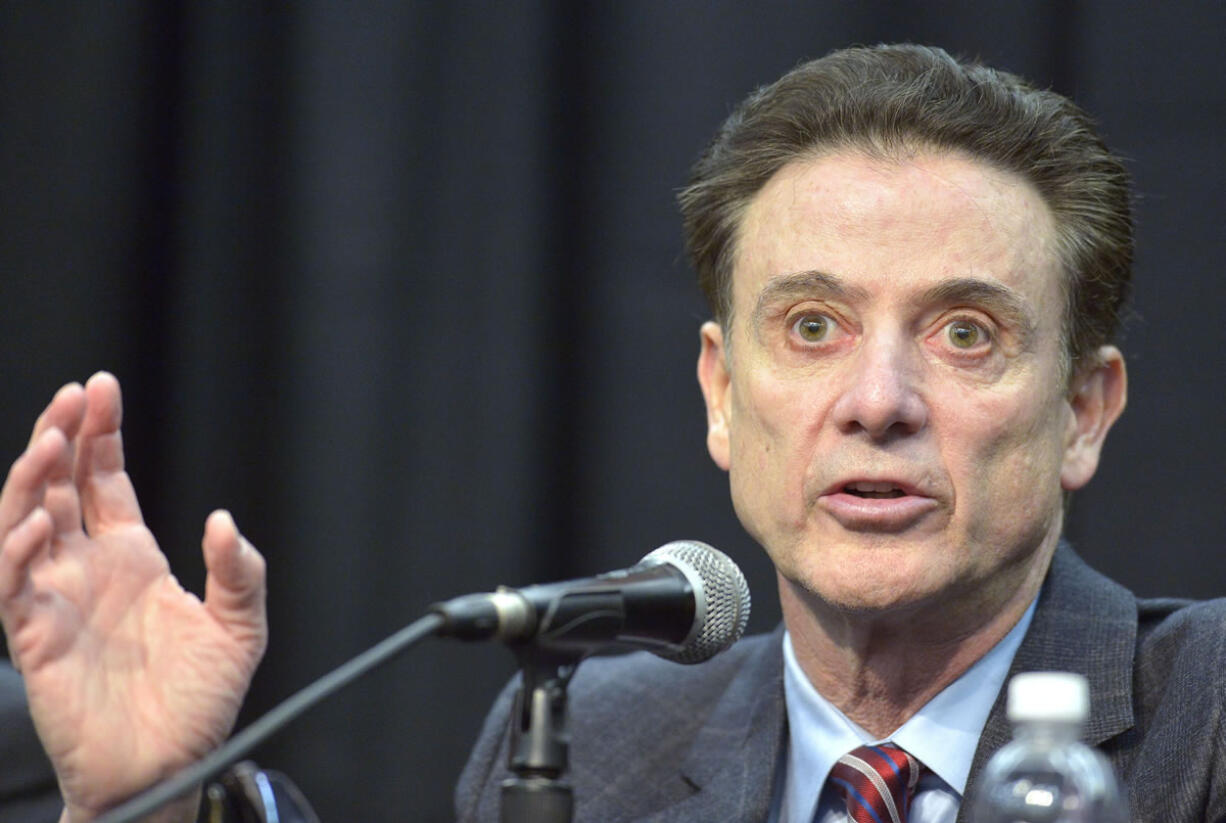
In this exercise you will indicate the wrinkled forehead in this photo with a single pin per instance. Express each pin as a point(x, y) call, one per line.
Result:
point(923, 216)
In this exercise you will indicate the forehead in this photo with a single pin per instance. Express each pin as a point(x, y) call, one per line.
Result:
point(895, 224)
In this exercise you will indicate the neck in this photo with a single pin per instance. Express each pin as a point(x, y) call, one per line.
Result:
point(880, 669)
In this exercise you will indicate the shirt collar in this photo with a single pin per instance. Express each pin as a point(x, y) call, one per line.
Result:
point(943, 734)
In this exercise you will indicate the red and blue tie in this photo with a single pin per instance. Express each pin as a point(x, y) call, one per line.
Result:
point(877, 783)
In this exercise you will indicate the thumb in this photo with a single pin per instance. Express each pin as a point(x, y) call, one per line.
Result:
point(234, 592)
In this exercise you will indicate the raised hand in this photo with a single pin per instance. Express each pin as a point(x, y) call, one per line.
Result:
point(129, 677)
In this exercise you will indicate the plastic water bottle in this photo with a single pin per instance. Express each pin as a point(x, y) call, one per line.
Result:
point(1047, 775)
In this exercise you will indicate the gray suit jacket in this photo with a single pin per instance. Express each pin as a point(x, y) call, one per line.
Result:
point(654, 741)
point(28, 791)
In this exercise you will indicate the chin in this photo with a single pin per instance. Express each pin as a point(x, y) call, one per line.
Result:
point(866, 582)
point(877, 600)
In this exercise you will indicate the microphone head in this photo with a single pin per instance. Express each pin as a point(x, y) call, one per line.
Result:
point(721, 598)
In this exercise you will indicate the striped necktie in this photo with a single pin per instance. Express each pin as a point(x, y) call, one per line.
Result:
point(877, 783)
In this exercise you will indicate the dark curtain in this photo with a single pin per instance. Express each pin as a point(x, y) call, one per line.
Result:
point(401, 284)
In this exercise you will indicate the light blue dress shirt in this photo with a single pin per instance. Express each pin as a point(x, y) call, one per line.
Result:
point(943, 735)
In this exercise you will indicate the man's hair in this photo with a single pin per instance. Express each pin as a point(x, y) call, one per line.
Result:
point(892, 100)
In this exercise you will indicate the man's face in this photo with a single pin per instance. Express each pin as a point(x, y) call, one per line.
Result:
point(889, 397)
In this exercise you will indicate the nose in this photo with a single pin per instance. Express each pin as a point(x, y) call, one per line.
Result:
point(881, 393)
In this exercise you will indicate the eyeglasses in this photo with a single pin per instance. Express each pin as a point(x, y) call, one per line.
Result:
point(248, 794)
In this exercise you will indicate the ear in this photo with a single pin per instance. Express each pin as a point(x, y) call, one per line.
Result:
point(1097, 398)
point(716, 384)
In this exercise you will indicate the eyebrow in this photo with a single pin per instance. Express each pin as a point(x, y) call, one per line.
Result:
point(802, 284)
point(997, 298)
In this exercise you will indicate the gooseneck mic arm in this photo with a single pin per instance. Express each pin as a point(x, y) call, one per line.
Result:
point(242, 743)
point(684, 601)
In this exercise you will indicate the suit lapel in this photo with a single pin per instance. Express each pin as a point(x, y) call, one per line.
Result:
point(1083, 623)
point(733, 761)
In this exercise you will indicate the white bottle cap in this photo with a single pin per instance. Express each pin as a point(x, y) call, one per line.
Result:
point(1057, 697)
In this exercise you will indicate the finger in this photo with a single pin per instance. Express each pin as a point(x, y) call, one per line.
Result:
point(234, 591)
point(26, 484)
point(21, 545)
point(60, 497)
point(64, 412)
point(107, 496)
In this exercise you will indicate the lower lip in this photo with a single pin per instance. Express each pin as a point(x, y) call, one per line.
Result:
point(885, 514)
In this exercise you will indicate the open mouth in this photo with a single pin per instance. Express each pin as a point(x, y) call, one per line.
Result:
point(873, 490)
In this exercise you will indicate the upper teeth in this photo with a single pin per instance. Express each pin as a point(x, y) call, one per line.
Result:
point(871, 486)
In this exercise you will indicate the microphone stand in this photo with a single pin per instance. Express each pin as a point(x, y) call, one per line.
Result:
point(540, 741)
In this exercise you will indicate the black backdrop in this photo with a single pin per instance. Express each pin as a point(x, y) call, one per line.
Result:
point(401, 285)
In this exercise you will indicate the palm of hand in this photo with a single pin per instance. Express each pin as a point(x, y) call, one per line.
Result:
point(125, 677)
point(129, 676)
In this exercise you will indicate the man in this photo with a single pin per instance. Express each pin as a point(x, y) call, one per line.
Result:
point(916, 268)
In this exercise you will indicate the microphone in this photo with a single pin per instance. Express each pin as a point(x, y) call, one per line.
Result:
point(685, 602)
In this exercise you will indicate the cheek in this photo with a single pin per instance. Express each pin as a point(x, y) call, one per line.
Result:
point(772, 419)
point(1011, 464)
point(772, 441)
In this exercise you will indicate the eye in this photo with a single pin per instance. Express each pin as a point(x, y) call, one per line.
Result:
point(812, 328)
point(964, 334)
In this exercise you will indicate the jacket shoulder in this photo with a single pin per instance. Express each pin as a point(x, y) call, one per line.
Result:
point(1176, 750)
point(1178, 639)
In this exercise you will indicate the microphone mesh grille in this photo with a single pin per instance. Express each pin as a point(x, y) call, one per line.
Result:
point(724, 591)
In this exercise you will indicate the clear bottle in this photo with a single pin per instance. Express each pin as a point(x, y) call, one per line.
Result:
point(1047, 775)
